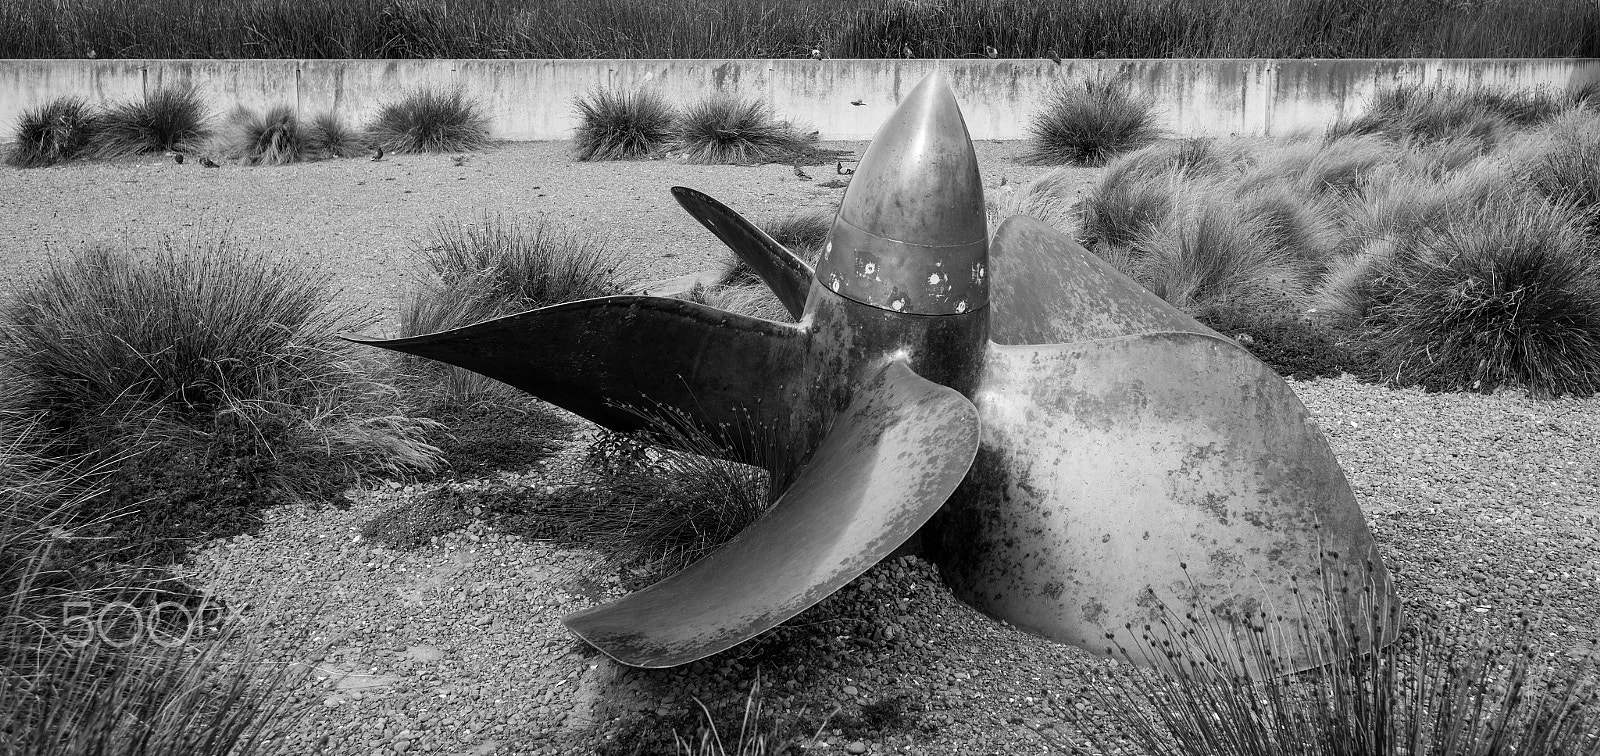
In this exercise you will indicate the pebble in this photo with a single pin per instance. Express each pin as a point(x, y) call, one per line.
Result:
point(856, 747)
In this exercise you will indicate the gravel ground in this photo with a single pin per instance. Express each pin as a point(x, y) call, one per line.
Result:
point(355, 218)
point(1482, 503)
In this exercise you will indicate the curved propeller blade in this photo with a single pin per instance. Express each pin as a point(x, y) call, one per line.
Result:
point(1050, 290)
point(599, 357)
point(784, 272)
point(1169, 466)
point(889, 462)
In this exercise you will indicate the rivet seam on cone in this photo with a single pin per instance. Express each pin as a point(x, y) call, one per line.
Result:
point(918, 279)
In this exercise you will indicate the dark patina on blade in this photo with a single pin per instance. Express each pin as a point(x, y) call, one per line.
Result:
point(788, 276)
point(888, 463)
point(600, 357)
point(1048, 289)
point(1168, 467)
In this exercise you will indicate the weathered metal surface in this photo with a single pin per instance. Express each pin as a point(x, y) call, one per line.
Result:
point(1170, 466)
point(891, 460)
point(598, 357)
point(1048, 289)
point(788, 276)
point(911, 235)
point(1147, 461)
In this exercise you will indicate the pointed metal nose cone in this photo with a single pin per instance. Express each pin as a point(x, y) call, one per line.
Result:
point(911, 235)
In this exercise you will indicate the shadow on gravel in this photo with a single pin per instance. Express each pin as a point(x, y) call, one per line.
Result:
point(835, 669)
point(504, 434)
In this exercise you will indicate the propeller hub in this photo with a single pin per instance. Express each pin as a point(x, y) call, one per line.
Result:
point(911, 235)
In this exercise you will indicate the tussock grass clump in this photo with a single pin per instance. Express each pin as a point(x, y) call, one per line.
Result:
point(1191, 157)
point(1337, 168)
point(81, 686)
point(1562, 160)
point(1211, 253)
point(1221, 687)
point(724, 129)
point(328, 136)
point(1050, 198)
point(431, 120)
point(656, 501)
point(500, 265)
point(803, 233)
point(1091, 123)
point(60, 130)
point(753, 299)
point(1306, 228)
point(1399, 208)
point(1507, 296)
point(271, 137)
point(1428, 114)
point(1433, 113)
point(1120, 210)
point(215, 371)
point(190, 699)
point(168, 119)
point(617, 125)
point(45, 519)
point(1368, 242)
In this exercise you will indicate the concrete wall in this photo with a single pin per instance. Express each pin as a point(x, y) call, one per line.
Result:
point(531, 99)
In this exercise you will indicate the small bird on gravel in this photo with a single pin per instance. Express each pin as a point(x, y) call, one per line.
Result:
point(905, 51)
point(1055, 57)
point(459, 160)
point(989, 51)
point(178, 158)
point(1002, 180)
point(379, 156)
point(858, 102)
point(816, 53)
point(843, 171)
point(209, 163)
point(801, 174)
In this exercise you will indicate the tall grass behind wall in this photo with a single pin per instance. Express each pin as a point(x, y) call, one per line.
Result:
point(773, 29)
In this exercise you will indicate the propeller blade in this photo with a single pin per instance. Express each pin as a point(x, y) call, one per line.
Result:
point(888, 463)
point(1050, 290)
point(784, 272)
point(1108, 466)
point(600, 357)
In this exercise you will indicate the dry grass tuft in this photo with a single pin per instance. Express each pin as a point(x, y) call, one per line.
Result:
point(328, 137)
point(658, 500)
point(168, 119)
point(1091, 123)
point(271, 137)
point(1506, 296)
point(616, 125)
point(60, 130)
point(495, 266)
point(1211, 253)
point(199, 358)
point(430, 120)
point(1221, 687)
point(723, 129)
